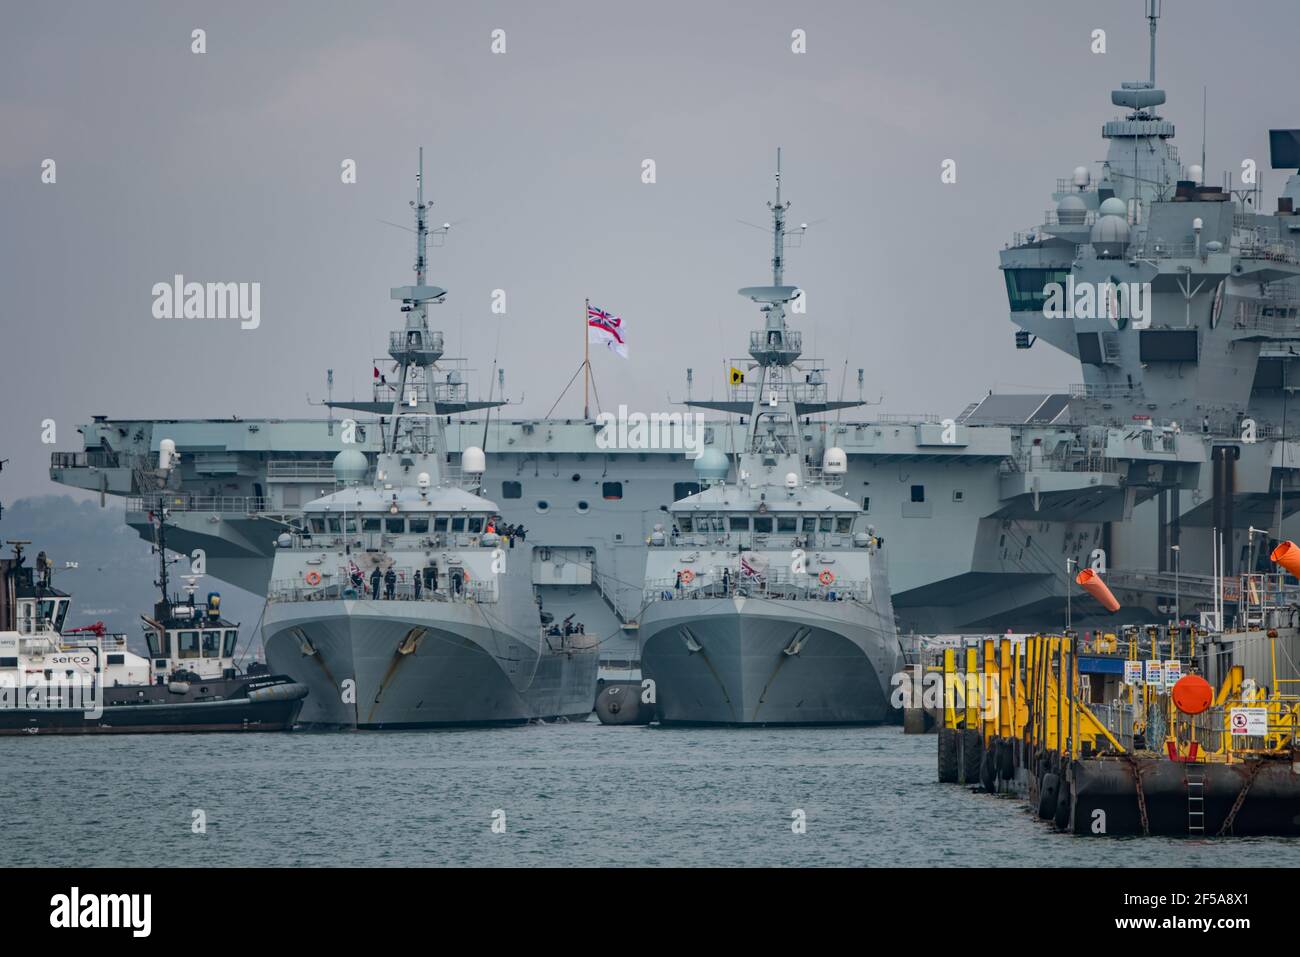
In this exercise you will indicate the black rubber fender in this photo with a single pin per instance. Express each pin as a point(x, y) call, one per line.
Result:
point(1061, 816)
point(947, 756)
point(988, 772)
point(1048, 790)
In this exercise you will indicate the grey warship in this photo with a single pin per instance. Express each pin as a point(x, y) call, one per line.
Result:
point(396, 601)
point(767, 603)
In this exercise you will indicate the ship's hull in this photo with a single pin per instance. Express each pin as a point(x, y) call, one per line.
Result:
point(154, 709)
point(755, 661)
point(390, 665)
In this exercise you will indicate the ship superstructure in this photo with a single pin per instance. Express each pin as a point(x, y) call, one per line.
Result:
point(399, 599)
point(767, 600)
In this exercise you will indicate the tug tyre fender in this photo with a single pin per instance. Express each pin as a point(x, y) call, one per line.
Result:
point(987, 773)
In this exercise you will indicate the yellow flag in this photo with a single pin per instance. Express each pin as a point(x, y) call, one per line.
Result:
point(737, 377)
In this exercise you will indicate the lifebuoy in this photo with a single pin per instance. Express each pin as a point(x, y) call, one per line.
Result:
point(827, 576)
point(313, 577)
point(688, 576)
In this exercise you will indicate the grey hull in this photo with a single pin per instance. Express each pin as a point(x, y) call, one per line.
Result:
point(742, 674)
point(392, 665)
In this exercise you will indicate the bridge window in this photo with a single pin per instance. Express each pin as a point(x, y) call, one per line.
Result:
point(370, 524)
point(1025, 287)
point(334, 525)
point(786, 523)
point(739, 523)
point(419, 526)
point(809, 524)
point(844, 524)
point(476, 523)
point(763, 523)
point(395, 526)
point(512, 490)
point(211, 644)
point(232, 637)
point(318, 526)
point(458, 523)
point(188, 644)
point(611, 491)
point(683, 489)
point(440, 523)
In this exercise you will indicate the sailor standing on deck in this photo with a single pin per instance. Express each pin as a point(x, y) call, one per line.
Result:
point(375, 578)
point(390, 583)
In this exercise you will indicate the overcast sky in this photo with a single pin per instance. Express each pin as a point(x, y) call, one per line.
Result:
point(225, 166)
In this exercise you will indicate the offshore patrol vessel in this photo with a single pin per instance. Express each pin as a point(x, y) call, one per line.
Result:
point(768, 602)
point(398, 602)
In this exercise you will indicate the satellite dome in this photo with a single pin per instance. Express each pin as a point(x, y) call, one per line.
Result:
point(350, 466)
point(835, 462)
point(791, 480)
point(473, 461)
point(711, 466)
point(1114, 207)
point(1195, 173)
point(1110, 236)
point(1071, 211)
point(1081, 176)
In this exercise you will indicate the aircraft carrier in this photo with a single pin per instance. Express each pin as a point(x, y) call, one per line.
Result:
point(1179, 425)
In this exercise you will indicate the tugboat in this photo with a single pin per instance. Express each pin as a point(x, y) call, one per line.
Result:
point(85, 681)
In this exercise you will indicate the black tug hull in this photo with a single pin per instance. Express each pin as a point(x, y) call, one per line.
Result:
point(226, 705)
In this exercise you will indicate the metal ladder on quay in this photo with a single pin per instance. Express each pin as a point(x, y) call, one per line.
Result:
point(1195, 802)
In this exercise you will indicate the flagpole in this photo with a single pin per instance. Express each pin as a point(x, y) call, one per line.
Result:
point(586, 360)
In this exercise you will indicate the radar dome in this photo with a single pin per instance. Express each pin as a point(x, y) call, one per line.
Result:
point(1110, 235)
point(1081, 176)
point(1071, 211)
point(167, 454)
point(835, 462)
point(711, 466)
point(350, 466)
point(1113, 207)
point(791, 480)
point(1195, 173)
point(473, 461)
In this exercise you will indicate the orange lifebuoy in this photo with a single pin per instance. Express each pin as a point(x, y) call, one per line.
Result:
point(688, 576)
point(313, 577)
point(827, 577)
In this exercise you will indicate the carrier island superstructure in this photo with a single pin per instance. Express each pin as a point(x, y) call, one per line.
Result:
point(767, 600)
point(982, 511)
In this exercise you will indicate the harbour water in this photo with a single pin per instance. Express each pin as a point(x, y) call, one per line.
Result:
point(573, 794)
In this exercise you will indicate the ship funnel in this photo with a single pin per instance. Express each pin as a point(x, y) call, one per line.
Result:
point(1095, 587)
point(1288, 556)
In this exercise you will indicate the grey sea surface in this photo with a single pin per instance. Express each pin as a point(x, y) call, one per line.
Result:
point(568, 794)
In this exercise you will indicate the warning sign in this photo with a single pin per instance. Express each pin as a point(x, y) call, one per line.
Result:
point(1248, 721)
point(1173, 671)
point(1133, 673)
point(1156, 673)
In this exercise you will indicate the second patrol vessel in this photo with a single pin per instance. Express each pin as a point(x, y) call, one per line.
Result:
point(767, 600)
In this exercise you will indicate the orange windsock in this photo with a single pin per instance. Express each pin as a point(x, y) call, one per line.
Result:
point(1095, 587)
point(1288, 556)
